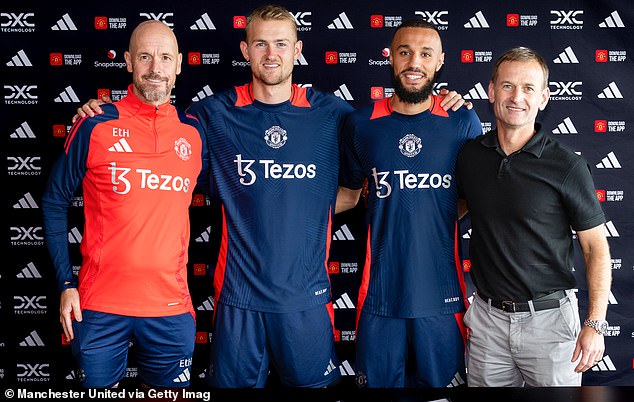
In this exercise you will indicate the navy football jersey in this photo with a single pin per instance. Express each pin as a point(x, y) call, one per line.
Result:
point(409, 160)
point(274, 170)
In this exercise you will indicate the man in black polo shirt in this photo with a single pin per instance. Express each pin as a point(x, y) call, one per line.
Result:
point(525, 192)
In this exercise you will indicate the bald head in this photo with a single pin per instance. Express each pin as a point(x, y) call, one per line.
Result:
point(152, 28)
point(154, 61)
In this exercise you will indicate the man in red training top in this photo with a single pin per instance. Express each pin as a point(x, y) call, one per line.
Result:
point(137, 164)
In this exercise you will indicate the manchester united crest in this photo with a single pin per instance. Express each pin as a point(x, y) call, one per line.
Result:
point(183, 149)
point(410, 145)
point(275, 137)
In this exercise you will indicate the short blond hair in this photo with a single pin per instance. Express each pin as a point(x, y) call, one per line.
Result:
point(270, 12)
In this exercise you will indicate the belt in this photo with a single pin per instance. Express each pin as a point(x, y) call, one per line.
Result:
point(551, 300)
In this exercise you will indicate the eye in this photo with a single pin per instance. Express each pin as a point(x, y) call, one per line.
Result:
point(404, 53)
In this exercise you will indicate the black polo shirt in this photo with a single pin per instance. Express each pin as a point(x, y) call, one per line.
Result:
point(522, 209)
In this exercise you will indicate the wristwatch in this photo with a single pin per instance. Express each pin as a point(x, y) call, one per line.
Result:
point(601, 326)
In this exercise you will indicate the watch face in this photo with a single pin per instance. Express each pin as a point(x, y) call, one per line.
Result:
point(603, 326)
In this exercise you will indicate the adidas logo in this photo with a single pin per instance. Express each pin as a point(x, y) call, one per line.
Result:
point(120, 146)
point(566, 57)
point(24, 131)
point(204, 236)
point(604, 365)
point(456, 381)
point(203, 23)
point(477, 92)
point(183, 377)
point(344, 93)
point(565, 127)
point(20, 60)
point(301, 61)
point(346, 368)
point(612, 21)
point(477, 21)
point(64, 24)
point(26, 201)
point(343, 234)
point(67, 96)
point(33, 339)
point(467, 235)
point(341, 22)
point(344, 302)
point(74, 236)
point(205, 92)
point(610, 230)
point(611, 92)
point(612, 299)
point(330, 368)
point(29, 272)
point(609, 162)
point(206, 305)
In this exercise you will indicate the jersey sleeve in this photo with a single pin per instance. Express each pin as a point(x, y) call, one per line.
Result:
point(351, 173)
point(202, 111)
point(65, 178)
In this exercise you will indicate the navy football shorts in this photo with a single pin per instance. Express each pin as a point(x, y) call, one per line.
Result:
point(300, 345)
point(410, 352)
point(164, 347)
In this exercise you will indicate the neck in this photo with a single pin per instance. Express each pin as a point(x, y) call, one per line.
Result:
point(512, 139)
point(400, 106)
point(272, 94)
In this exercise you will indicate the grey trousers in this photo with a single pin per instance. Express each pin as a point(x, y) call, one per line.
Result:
point(531, 348)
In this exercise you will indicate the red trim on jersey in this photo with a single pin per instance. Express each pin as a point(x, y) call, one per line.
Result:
point(458, 262)
point(71, 134)
point(463, 329)
point(365, 279)
point(435, 107)
point(298, 96)
point(245, 95)
point(382, 108)
point(221, 265)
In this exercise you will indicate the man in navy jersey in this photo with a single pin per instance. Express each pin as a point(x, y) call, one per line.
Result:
point(274, 157)
point(411, 300)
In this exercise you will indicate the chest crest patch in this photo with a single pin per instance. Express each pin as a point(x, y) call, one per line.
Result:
point(410, 145)
point(275, 137)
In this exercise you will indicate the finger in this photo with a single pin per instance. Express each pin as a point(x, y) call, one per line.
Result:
point(75, 117)
point(86, 110)
point(67, 325)
point(469, 105)
point(458, 104)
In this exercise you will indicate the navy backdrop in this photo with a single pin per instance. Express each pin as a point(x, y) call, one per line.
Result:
point(56, 56)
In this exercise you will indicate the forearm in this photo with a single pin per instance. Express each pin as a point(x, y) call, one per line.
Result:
point(599, 280)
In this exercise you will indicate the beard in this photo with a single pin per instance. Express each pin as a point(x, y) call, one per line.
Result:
point(412, 96)
point(153, 92)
